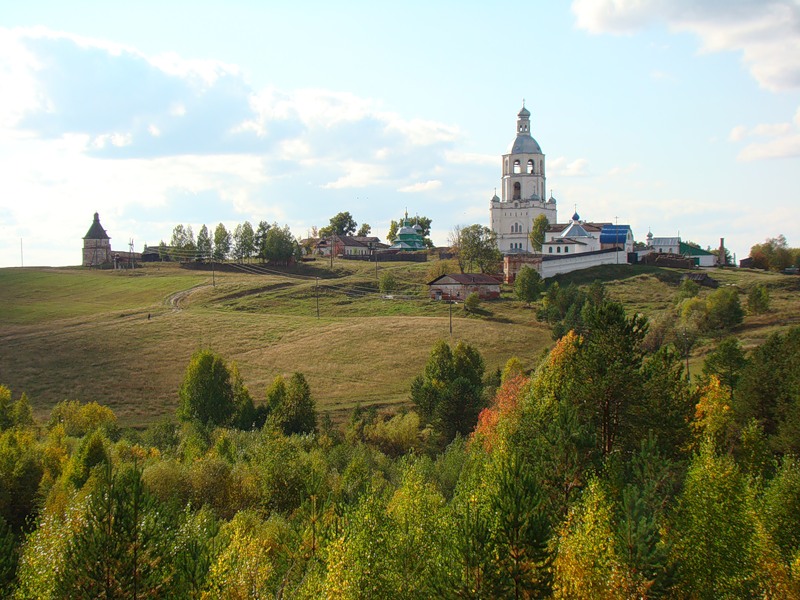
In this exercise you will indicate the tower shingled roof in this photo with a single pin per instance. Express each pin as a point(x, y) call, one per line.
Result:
point(96, 231)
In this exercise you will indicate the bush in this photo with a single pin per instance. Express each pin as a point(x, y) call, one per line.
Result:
point(472, 302)
point(395, 436)
point(758, 299)
point(80, 419)
point(724, 309)
point(387, 282)
point(687, 289)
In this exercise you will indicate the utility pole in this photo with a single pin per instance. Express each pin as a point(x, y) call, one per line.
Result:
point(451, 317)
point(21, 261)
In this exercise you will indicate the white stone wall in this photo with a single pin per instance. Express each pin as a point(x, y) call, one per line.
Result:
point(576, 262)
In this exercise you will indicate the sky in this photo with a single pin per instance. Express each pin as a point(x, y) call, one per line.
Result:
point(681, 117)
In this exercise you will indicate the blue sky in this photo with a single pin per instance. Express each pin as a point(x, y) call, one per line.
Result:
point(672, 115)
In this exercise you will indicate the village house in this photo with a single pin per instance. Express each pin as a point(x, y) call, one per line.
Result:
point(457, 286)
point(674, 245)
point(349, 245)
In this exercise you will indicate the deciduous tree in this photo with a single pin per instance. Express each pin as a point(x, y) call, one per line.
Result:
point(243, 241)
point(540, 225)
point(222, 242)
point(279, 244)
point(528, 285)
point(341, 224)
point(206, 394)
point(204, 244)
point(478, 247)
point(260, 239)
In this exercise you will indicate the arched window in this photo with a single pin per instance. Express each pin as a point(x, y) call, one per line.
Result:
point(558, 249)
point(531, 166)
point(550, 249)
point(541, 168)
point(566, 249)
point(516, 166)
point(517, 189)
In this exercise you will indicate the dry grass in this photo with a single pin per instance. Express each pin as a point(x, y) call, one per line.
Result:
point(134, 364)
point(86, 335)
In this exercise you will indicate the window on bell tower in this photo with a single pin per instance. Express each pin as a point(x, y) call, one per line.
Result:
point(517, 168)
point(531, 166)
point(517, 191)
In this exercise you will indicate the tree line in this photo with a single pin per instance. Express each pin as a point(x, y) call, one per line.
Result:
point(774, 254)
point(268, 242)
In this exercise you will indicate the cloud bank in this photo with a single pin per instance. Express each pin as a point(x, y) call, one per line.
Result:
point(765, 32)
point(89, 125)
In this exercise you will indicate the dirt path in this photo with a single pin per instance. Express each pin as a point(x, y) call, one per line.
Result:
point(177, 300)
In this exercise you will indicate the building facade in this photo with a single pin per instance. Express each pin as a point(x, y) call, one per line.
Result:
point(523, 191)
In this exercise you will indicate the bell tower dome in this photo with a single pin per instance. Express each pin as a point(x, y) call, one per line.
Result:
point(523, 164)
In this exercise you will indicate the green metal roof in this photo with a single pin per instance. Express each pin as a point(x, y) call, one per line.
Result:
point(688, 250)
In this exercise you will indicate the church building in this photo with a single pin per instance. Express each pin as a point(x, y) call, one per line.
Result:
point(523, 191)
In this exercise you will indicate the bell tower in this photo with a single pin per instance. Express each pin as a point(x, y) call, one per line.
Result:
point(523, 165)
point(523, 190)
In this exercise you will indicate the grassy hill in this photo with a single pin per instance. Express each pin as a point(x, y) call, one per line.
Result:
point(123, 339)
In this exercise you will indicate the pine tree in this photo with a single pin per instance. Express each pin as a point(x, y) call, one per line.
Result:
point(122, 548)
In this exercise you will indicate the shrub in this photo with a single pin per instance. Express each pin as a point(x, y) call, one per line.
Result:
point(472, 302)
point(724, 309)
point(387, 282)
point(758, 299)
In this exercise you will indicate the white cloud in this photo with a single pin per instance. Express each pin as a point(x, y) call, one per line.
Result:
point(357, 175)
point(422, 186)
point(87, 125)
point(769, 140)
point(783, 147)
point(561, 168)
point(737, 133)
point(470, 158)
point(626, 170)
point(423, 133)
point(764, 31)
